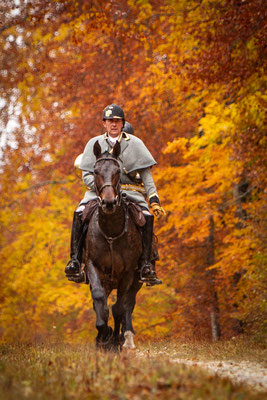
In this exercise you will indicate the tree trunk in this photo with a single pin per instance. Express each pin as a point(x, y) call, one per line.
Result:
point(214, 304)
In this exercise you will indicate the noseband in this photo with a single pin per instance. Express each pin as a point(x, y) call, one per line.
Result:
point(106, 184)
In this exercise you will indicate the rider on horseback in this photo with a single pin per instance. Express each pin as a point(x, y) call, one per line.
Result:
point(136, 183)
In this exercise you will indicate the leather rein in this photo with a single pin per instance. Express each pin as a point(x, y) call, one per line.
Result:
point(111, 240)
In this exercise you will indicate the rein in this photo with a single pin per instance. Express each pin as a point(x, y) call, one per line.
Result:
point(111, 239)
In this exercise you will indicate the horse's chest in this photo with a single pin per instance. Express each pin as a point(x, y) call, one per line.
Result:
point(121, 253)
point(117, 250)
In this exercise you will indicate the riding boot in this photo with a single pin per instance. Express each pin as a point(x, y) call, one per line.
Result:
point(74, 265)
point(148, 273)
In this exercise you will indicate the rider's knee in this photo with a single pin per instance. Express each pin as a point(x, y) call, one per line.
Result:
point(146, 211)
point(148, 216)
point(80, 208)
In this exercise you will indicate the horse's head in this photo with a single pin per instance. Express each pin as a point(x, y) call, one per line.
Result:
point(107, 178)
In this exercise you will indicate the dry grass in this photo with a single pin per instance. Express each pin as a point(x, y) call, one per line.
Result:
point(49, 372)
point(236, 349)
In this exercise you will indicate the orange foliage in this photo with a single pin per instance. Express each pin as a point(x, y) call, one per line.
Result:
point(189, 75)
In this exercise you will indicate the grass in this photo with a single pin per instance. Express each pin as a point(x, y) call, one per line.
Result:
point(236, 349)
point(52, 372)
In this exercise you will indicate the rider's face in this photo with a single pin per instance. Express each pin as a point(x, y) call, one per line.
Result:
point(113, 126)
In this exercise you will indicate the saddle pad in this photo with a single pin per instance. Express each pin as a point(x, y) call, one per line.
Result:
point(89, 210)
point(136, 214)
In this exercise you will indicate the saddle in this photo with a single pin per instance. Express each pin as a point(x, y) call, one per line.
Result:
point(135, 212)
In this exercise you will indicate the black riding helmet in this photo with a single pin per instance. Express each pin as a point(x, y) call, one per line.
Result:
point(128, 128)
point(113, 112)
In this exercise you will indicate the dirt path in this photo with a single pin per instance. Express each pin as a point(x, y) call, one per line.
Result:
point(248, 373)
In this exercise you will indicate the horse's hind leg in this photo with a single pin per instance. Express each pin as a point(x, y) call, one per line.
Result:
point(100, 305)
point(118, 315)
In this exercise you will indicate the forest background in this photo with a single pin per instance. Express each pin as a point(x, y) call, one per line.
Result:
point(189, 75)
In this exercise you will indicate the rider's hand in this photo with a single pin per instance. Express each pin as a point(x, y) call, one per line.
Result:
point(158, 211)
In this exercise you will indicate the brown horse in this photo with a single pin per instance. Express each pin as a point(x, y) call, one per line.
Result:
point(113, 247)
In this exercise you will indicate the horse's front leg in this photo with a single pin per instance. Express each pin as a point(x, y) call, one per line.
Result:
point(100, 304)
point(118, 309)
point(129, 300)
point(123, 308)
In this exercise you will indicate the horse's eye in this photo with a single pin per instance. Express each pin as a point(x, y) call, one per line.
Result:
point(96, 172)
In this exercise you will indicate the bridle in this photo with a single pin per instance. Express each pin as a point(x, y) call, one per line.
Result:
point(116, 187)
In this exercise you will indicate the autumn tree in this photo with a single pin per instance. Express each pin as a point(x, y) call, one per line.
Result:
point(190, 77)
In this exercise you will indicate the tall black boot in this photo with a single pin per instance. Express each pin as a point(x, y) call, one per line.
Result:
point(74, 265)
point(148, 273)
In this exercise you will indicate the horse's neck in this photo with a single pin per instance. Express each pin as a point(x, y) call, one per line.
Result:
point(112, 224)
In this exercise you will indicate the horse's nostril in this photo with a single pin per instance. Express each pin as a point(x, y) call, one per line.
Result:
point(108, 204)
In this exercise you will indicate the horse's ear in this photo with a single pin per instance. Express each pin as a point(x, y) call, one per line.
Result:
point(116, 150)
point(97, 150)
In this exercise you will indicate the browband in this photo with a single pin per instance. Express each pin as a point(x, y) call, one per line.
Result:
point(107, 158)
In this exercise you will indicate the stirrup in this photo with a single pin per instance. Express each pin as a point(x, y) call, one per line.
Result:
point(73, 264)
point(151, 279)
point(79, 278)
point(155, 281)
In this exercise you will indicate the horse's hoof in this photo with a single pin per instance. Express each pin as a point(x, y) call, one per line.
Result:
point(105, 343)
point(114, 349)
point(126, 350)
point(129, 342)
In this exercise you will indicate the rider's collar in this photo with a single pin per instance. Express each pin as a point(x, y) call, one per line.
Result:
point(123, 135)
point(113, 140)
